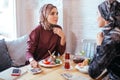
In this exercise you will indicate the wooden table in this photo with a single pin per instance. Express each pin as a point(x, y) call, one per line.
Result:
point(47, 73)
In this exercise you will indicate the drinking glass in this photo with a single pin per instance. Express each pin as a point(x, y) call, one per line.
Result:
point(67, 61)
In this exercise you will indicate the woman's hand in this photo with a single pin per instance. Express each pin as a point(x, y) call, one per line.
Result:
point(100, 38)
point(34, 64)
point(60, 33)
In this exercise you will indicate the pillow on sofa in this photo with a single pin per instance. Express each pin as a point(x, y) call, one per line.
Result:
point(5, 61)
point(17, 50)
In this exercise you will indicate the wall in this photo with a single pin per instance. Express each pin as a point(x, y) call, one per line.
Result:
point(80, 22)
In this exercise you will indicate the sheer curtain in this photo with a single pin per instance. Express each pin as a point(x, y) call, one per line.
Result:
point(28, 14)
point(19, 17)
point(7, 18)
point(80, 21)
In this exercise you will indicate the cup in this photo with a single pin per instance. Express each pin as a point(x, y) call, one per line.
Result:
point(67, 65)
point(67, 61)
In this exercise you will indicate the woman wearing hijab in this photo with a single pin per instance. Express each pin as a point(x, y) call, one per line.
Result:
point(108, 42)
point(47, 36)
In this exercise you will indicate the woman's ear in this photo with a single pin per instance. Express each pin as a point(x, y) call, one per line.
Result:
point(101, 20)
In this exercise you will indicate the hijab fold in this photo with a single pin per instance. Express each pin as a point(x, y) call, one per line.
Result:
point(44, 12)
point(110, 11)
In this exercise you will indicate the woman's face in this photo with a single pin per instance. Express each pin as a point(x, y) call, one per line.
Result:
point(53, 16)
point(101, 20)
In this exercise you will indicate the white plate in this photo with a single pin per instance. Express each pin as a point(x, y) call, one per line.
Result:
point(49, 65)
point(82, 69)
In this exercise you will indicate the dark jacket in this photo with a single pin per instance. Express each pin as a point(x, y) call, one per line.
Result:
point(107, 56)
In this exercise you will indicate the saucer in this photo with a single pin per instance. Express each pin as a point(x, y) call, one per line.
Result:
point(67, 69)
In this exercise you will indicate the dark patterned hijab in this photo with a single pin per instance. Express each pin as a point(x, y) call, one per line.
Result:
point(44, 12)
point(110, 11)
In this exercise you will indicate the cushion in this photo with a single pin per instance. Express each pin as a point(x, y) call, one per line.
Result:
point(5, 61)
point(17, 50)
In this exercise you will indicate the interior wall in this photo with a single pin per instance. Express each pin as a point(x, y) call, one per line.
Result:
point(80, 22)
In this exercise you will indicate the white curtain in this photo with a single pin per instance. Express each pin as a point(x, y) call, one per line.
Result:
point(7, 18)
point(80, 22)
point(28, 14)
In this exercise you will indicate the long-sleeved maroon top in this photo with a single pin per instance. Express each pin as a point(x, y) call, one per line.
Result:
point(40, 41)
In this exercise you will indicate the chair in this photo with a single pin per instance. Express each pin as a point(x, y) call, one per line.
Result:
point(89, 47)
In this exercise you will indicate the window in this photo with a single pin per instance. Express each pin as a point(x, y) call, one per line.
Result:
point(7, 18)
point(18, 17)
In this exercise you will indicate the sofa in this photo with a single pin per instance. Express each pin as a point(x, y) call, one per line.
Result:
point(12, 52)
